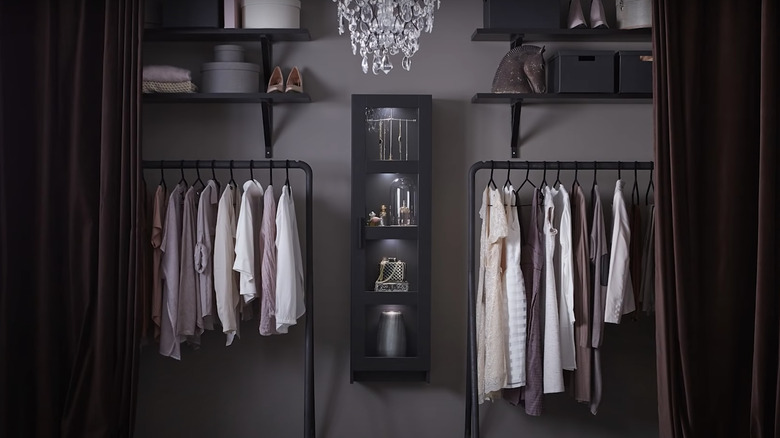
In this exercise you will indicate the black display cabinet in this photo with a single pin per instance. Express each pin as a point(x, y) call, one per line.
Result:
point(391, 239)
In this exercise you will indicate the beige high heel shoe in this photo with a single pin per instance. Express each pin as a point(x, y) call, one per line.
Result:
point(294, 81)
point(275, 83)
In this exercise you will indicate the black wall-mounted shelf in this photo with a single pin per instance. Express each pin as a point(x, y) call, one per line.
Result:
point(224, 35)
point(550, 98)
point(266, 38)
point(226, 98)
point(568, 35)
point(517, 37)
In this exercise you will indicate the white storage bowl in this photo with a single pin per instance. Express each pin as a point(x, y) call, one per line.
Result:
point(230, 77)
point(272, 14)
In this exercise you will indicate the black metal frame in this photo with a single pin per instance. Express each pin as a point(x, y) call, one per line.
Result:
point(472, 403)
point(308, 429)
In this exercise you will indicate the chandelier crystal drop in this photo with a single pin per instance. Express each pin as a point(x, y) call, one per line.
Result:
point(383, 28)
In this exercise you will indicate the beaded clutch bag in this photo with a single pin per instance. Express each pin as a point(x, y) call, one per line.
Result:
point(392, 276)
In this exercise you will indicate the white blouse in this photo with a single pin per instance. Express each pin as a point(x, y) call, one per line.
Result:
point(620, 293)
point(564, 276)
point(290, 300)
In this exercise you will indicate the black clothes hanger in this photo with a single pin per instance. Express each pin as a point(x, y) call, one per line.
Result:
point(558, 175)
point(544, 176)
point(232, 181)
point(508, 171)
point(620, 164)
point(595, 171)
point(492, 167)
point(635, 188)
point(271, 172)
point(162, 177)
point(650, 185)
point(287, 173)
point(197, 172)
point(576, 182)
point(526, 180)
point(251, 170)
point(181, 168)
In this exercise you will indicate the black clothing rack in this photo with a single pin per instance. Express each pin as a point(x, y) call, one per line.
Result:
point(472, 403)
point(308, 409)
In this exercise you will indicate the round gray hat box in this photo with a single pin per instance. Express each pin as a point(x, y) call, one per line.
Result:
point(230, 77)
point(228, 53)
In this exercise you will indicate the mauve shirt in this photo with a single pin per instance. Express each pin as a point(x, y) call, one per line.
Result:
point(268, 267)
point(170, 246)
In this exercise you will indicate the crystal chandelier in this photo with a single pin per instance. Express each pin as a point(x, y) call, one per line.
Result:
point(382, 28)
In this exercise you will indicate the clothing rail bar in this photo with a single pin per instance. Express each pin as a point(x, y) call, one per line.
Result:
point(565, 165)
point(472, 402)
point(225, 164)
point(308, 408)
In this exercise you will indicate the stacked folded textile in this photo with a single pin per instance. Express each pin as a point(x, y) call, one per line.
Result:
point(167, 79)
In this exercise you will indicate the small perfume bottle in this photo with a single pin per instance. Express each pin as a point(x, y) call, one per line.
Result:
point(383, 219)
point(405, 214)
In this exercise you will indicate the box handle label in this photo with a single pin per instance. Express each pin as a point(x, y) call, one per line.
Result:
point(587, 58)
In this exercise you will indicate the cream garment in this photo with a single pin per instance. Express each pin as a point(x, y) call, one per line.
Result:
point(491, 302)
point(290, 298)
point(204, 246)
point(225, 285)
point(170, 246)
point(564, 276)
point(249, 247)
point(514, 289)
point(553, 373)
point(620, 294)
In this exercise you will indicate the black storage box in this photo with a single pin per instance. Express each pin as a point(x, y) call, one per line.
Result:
point(635, 71)
point(514, 14)
point(581, 71)
point(192, 13)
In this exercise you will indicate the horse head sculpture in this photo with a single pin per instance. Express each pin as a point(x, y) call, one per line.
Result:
point(521, 71)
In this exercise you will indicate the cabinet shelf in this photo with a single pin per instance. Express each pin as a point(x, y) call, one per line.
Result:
point(226, 35)
point(390, 232)
point(390, 298)
point(392, 167)
point(226, 98)
point(570, 35)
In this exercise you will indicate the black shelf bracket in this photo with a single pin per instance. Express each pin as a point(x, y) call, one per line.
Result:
point(517, 106)
point(268, 127)
point(267, 49)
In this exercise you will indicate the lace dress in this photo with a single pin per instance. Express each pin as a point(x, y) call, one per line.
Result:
point(491, 301)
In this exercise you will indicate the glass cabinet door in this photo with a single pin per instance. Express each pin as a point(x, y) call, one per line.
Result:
point(391, 199)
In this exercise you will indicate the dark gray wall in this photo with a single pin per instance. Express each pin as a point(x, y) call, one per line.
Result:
point(255, 387)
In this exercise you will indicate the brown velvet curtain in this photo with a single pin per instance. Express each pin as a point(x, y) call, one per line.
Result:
point(69, 204)
point(718, 211)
